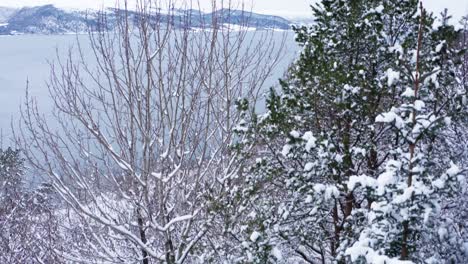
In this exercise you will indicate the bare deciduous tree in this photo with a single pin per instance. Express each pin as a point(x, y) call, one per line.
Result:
point(144, 131)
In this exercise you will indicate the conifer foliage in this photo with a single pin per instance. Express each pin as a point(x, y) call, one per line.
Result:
point(29, 231)
point(351, 159)
point(11, 183)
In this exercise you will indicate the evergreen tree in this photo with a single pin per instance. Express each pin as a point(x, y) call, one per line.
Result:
point(30, 230)
point(347, 158)
point(11, 183)
point(11, 189)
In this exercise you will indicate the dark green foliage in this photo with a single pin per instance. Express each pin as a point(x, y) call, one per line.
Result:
point(11, 177)
point(320, 133)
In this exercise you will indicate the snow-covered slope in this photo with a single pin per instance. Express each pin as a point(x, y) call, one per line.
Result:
point(5, 13)
point(44, 19)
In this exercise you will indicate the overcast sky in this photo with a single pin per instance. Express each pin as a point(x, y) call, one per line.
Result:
point(287, 8)
point(300, 7)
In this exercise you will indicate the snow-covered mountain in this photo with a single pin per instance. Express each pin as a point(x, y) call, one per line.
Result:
point(5, 13)
point(48, 19)
point(44, 20)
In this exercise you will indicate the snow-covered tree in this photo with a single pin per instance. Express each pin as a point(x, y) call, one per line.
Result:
point(29, 232)
point(11, 178)
point(142, 131)
point(346, 164)
point(405, 216)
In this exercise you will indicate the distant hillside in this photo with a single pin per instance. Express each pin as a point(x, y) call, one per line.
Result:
point(5, 14)
point(44, 20)
point(48, 19)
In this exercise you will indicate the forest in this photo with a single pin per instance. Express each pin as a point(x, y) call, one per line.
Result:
point(164, 146)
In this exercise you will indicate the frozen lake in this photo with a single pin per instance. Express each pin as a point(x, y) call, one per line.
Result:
point(26, 58)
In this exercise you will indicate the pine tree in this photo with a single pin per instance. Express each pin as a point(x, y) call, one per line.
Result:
point(30, 230)
point(11, 189)
point(346, 157)
point(11, 183)
point(409, 192)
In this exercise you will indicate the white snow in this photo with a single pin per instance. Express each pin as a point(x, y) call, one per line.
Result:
point(308, 166)
point(397, 48)
point(242, 126)
point(234, 27)
point(379, 9)
point(310, 139)
point(442, 232)
point(453, 170)
point(392, 76)
point(434, 77)
point(439, 183)
point(419, 105)
point(286, 149)
point(275, 252)
point(408, 92)
point(294, 134)
point(351, 89)
point(447, 121)
point(427, 213)
point(339, 158)
point(440, 46)
point(362, 180)
point(254, 236)
point(388, 176)
point(405, 196)
point(358, 151)
point(362, 248)
point(390, 117)
point(328, 191)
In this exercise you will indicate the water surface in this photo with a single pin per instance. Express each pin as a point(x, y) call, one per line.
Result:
point(26, 58)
